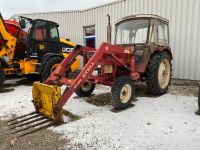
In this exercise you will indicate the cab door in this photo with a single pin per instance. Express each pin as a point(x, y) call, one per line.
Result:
point(53, 42)
point(37, 43)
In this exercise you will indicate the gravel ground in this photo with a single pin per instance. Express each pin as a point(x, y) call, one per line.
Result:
point(44, 139)
point(31, 141)
point(177, 87)
point(184, 87)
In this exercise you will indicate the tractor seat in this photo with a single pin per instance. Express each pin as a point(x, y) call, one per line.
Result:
point(138, 56)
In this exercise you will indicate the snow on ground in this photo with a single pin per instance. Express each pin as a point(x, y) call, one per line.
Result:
point(162, 123)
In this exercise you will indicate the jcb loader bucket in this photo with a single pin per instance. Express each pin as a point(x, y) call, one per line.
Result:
point(45, 99)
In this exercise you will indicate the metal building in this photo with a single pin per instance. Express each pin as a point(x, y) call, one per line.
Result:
point(184, 15)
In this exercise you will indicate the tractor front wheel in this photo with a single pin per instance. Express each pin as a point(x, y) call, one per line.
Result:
point(49, 67)
point(2, 76)
point(85, 90)
point(123, 92)
point(159, 73)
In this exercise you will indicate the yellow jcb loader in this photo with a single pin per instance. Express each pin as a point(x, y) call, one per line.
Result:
point(31, 48)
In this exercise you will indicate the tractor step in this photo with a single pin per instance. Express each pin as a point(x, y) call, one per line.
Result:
point(27, 124)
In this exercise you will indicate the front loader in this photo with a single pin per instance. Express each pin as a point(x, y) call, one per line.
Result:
point(141, 53)
point(32, 48)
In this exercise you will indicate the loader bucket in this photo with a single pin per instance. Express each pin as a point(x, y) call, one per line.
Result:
point(45, 99)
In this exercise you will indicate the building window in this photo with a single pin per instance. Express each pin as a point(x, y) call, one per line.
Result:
point(89, 36)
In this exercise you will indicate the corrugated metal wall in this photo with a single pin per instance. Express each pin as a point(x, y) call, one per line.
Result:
point(184, 27)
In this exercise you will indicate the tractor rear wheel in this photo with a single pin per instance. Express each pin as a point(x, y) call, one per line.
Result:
point(2, 76)
point(123, 92)
point(85, 90)
point(159, 73)
point(49, 67)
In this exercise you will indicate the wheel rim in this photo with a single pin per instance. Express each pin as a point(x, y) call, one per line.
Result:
point(125, 93)
point(164, 73)
point(86, 87)
point(54, 67)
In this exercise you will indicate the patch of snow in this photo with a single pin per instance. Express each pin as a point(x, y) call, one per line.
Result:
point(17, 101)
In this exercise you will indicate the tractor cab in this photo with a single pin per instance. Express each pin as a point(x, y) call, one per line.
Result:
point(142, 29)
point(146, 33)
point(43, 37)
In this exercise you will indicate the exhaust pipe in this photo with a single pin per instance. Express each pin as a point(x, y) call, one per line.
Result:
point(109, 30)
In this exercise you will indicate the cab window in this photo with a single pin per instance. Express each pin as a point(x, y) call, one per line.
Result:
point(40, 32)
point(162, 32)
point(54, 37)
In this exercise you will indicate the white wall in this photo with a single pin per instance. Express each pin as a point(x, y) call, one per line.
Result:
point(184, 27)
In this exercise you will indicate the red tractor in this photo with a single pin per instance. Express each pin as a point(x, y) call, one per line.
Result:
point(141, 53)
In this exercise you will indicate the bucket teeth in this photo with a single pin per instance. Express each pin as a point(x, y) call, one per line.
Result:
point(31, 126)
point(23, 120)
point(27, 124)
point(20, 117)
point(37, 129)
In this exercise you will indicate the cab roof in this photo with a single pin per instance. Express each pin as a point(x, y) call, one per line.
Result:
point(151, 16)
point(34, 20)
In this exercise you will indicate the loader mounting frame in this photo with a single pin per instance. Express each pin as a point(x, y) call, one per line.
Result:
point(110, 57)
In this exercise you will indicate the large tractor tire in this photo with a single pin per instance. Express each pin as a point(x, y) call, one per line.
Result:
point(2, 76)
point(85, 90)
point(49, 67)
point(159, 73)
point(123, 92)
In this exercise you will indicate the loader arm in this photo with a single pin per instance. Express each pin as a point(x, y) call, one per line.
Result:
point(8, 44)
point(50, 102)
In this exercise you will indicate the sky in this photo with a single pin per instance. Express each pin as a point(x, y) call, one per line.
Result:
point(11, 7)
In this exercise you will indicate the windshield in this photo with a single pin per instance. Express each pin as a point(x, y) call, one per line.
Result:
point(132, 32)
point(39, 31)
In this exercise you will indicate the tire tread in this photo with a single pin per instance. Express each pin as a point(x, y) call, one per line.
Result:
point(152, 73)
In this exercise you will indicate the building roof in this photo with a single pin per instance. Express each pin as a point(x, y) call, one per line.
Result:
point(67, 11)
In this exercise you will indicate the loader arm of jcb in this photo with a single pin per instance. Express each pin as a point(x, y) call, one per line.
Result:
point(47, 97)
point(7, 43)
